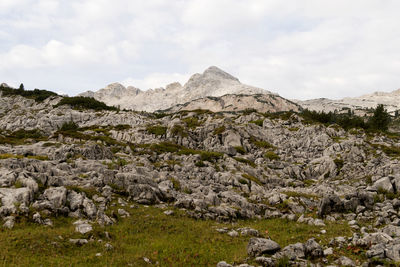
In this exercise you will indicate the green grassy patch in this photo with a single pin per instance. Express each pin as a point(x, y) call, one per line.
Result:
point(37, 94)
point(21, 136)
point(271, 155)
point(192, 122)
point(258, 122)
point(179, 130)
point(156, 129)
point(82, 103)
point(251, 178)
point(219, 130)
point(245, 161)
point(261, 143)
point(169, 240)
point(240, 149)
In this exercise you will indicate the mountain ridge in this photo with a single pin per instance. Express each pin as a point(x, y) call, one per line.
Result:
point(212, 82)
point(391, 101)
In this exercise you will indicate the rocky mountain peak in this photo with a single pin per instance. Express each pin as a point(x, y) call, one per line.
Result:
point(215, 72)
point(212, 82)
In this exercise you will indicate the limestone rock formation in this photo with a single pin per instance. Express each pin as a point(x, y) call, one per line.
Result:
point(213, 82)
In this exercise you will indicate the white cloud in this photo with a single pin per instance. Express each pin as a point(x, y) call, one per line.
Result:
point(300, 49)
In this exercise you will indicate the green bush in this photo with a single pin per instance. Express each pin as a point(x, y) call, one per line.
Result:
point(191, 122)
point(200, 164)
point(271, 155)
point(210, 156)
point(37, 94)
point(240, 149)
point(245, 161)
point(178, 130)
point(380, 120)
point(258, 122)
point(121, 127)
point(261, 143)
point(156, 129)
point(83, 102)
point(24, 134)
point(165, 147)
point(339, 164)
point(176, 184)
point(219, 130)
point(69, 126)
point(251, 178)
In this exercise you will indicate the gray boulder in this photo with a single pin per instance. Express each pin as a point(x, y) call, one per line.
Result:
point(83, 226)
point(393, 252)
point(313, 249)
point(294, 251)
point(328, 204)
point(344, 261)
point(57, 196)
point(384, 184)
point(260, 246)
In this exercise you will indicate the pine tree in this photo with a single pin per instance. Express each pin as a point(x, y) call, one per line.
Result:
point(380, 120)
point(21, 87)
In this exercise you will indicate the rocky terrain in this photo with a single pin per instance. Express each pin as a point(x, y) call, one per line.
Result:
point(213, 82)
point(391, 100)
point(230, 102)
point(226, 166)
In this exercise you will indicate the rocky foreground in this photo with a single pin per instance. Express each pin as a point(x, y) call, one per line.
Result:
point(218, 166)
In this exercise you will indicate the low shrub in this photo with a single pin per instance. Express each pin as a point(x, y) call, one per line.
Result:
point(271, 155)
point(37, 94)
point(156, 129)
point(83, 102)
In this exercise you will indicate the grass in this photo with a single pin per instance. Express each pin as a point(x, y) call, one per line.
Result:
point(69, 126)
point(219, 130)
point(261, 143)
point(251, 178)
point(37, 94)
point(339, 164)
point(258, 122)
point(271, 155)
point(300, 194)
point(240, 149)
point(245, 161)
point(176, 184)
point(156, 129)
point(9, 156)
point(192, 122)
point(19, 137)
point(82, 103)
point(76, 134)
point(169, 240)
point(179, 130)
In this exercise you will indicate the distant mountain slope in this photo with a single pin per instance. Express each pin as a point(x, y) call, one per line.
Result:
point(259, 102)
point(391, 101)
point(212, 82)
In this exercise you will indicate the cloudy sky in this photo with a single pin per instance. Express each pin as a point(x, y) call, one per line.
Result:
point(297, 48)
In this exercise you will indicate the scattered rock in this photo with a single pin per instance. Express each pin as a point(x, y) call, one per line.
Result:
point(260, 246)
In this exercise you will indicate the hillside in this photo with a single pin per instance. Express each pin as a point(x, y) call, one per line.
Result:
point(234, 103)
point(193, 188)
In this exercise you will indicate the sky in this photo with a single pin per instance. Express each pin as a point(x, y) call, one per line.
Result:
point(300, 49)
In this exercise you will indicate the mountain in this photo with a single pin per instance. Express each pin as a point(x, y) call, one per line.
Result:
point(212, 82)
point(85, 186)
point(391, 100)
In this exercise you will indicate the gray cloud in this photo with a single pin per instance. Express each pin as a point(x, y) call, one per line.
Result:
point(300, 49)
